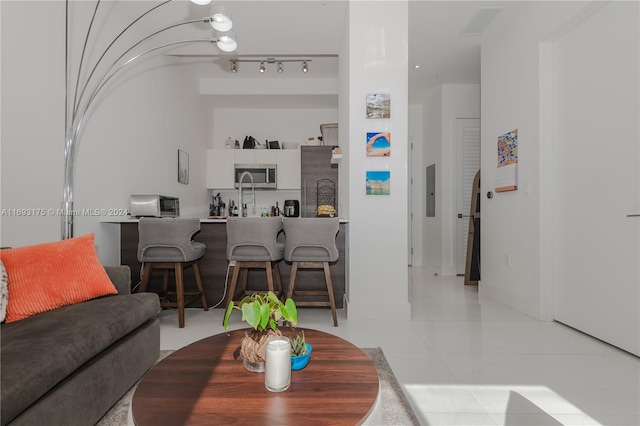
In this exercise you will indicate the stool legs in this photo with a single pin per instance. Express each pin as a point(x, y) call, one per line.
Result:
point(327, 278)
point(271, 269)
point(178, 268)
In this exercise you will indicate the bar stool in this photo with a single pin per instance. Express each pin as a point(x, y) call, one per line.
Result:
point(166, 244)
point(252, 244)
point(311, 244)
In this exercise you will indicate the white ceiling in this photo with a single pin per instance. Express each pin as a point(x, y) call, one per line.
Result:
point(313, 29)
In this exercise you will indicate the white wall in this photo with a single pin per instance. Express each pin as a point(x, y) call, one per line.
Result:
point(129, 144)
point(511, 100)
point(417, 172)
point(445, 104)
point(378, 63)
point(432, 154)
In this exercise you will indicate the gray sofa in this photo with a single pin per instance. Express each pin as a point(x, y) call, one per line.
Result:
point(70, 365)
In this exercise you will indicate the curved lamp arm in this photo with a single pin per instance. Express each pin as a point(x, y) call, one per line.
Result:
point(74, 125)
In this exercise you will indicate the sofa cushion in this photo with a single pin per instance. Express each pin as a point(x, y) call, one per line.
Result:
point(42, 350)
point(3, 292)
point(50, 275)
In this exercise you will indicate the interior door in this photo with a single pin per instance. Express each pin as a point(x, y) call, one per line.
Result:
point(595, 176)
point(467, 137)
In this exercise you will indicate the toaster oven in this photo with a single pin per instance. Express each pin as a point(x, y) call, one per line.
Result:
point(154, 206)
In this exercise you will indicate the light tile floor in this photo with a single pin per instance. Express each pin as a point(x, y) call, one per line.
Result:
point(464, 359)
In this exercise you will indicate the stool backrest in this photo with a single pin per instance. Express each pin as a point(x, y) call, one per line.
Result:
point(167, 237)
point(254, 238)
point(312, 238)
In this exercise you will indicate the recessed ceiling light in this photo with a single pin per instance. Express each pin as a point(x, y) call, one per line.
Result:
point(416, 66)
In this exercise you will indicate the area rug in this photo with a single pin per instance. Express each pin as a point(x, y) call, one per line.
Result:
point(396, 410)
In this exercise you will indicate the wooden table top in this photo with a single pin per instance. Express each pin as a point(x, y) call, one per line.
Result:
point(206, 383)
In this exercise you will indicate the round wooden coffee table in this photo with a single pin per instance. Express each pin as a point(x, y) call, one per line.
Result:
point(205, 383)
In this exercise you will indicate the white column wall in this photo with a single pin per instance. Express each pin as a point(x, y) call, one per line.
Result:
point(378, 63)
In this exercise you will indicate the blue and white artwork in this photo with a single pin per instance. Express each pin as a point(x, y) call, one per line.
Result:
point(378, 182)
point(378, 144)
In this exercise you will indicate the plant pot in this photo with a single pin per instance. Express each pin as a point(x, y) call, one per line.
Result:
point(254, 367)
point(253, 348)
point(300, 361)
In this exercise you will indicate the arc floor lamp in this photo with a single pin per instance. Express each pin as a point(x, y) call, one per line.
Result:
point(81, 93)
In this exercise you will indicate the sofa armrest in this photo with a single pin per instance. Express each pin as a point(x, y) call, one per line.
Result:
point(121, 278)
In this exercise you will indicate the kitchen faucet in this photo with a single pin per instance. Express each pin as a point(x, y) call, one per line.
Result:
point(253, 189)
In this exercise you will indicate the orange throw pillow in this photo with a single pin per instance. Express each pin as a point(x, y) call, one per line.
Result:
point(47, 276)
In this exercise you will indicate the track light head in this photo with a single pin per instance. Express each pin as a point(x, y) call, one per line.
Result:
point(280, 69)
point(262, 68)
point(305, 67)
point(234, 66)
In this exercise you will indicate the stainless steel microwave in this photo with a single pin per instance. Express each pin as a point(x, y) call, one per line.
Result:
point(154, 206)
point(262, 175)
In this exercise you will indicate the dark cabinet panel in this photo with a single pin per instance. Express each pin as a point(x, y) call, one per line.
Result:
point(315, 165)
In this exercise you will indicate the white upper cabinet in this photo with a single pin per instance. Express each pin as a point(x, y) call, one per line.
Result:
point(220, 168)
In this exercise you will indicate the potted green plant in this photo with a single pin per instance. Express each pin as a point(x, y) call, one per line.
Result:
point(263, 312)
point(300, 352)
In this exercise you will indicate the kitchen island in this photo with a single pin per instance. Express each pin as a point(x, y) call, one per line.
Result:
point(214, 268)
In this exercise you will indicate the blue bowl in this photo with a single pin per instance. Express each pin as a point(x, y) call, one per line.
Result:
point(299, 362)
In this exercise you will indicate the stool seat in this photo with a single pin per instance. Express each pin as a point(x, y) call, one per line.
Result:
point(166, 244)
point(252, 244)
point(311, 244)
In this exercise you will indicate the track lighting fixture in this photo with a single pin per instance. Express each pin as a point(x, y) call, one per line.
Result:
point(264, 62)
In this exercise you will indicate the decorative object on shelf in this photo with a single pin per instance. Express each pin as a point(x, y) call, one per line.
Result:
point(278, 62)
point(378, 182)
point(336, 155)
point(378, 144)
point(378, 105)
point(326, 201)
point(300, 352)
point(183, 167)
point(83, 86)
point(262, 311)
point(277, 365)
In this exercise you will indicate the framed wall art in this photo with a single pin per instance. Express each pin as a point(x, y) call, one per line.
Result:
point(378, 105)
point(378, 144)
point(183, 167)
point(378, 182)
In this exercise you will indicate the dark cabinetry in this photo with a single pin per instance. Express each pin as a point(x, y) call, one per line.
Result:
point(315, 166)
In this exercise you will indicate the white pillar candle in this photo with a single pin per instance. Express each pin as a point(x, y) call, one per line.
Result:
point(277, 365)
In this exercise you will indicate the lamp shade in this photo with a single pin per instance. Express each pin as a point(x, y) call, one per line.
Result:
point(201, 2)
point(221, 19)
point(227, 42)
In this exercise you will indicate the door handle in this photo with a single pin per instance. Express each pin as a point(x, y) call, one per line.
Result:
point(462, 216)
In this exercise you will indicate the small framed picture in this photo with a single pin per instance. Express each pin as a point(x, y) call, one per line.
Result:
point(378, 105)
point(183, 167)
point(378, 144)
point(378, 182)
